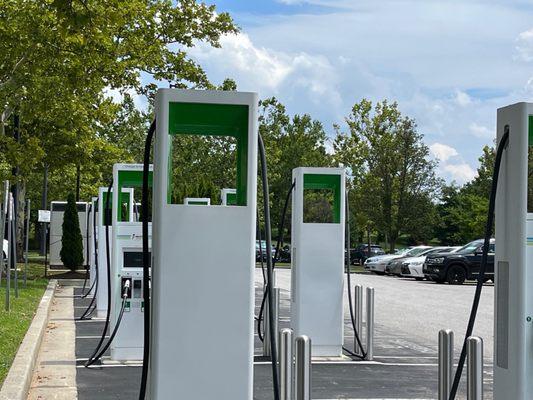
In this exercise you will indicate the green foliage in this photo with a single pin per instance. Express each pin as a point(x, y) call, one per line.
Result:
point(60, 62)
point(72, 240)
point(462, 213)
point(394, 183)
point(299, 141)
point(15, 323)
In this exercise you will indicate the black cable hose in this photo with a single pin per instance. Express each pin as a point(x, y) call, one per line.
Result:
point(484, 259)
point(266, 206)
point(276, 257)
point(259, 237)
point(146, 261)
point(91, 359)
point(86, 313)
point(259, 317)
point(349, 283)
point(115, 330)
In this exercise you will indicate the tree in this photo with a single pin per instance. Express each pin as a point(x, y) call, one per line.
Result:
point(391, 173)
point(463, 210)
point(290, 142)
point(59, 62)
point(72, 240)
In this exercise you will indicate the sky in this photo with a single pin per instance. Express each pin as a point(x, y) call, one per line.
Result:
point(448, 63)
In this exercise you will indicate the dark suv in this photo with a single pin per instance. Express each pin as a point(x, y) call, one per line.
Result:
point(360, 253)
point(461, 265)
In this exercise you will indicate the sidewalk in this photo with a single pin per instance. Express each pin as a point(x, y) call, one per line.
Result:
point(54, 377)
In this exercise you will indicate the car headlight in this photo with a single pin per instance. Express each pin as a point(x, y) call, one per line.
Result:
point(416, 264)
point(436, 260)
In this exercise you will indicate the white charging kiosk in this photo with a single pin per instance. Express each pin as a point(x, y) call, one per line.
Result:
point(513, 327)
point(203, 257)
point(317, 279)
point(127, 265)
point(103, 220)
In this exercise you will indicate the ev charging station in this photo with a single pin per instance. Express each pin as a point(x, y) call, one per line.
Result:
point(513, 326)
point(127, 266)
point(228, 197)
point(203, 257)
point(197, 201)
point(317, 273)
point(103, 220)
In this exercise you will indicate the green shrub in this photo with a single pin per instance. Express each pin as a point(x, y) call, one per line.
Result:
point(72, 240)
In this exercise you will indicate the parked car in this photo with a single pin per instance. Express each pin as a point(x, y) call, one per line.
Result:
point(263, 250)
point(394, 267)
point(378, 264)
point(360, 254)
point(411, 267)
point(457, 267)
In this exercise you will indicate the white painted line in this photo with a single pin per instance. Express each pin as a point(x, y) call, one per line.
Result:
point(385, 364)
point(110, 366)
point(91, 337)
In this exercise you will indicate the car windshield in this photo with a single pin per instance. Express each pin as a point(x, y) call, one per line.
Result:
point(469, 248)
point(402, 251)
point(428, 251)
point(416, 251)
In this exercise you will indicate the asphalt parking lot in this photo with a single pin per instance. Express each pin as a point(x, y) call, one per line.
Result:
point(408, 317)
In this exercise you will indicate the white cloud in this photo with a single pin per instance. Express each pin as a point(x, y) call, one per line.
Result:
point(481, 131)
point(462, 98)
point(461, 173)
point(323, 62)
point(257, 68)
point(238, 54)
point(442, 152)
point(525, 45)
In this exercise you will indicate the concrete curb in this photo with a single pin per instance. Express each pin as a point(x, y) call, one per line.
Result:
point(19, 377)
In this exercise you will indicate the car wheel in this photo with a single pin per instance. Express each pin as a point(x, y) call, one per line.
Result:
point(456, 275)
point(379, 272)
point(419, 279)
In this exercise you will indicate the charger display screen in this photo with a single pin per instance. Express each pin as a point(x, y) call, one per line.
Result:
point(134, 259)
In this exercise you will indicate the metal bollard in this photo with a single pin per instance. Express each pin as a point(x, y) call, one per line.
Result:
point(474, 369)
point(13, 245)
point(370, 323)
point(26, 239)
point(445, 363)
point(3, 212)
point(302, 379)
point(266, 324)
point(358, 301)
point(267, 351)
point(285, 363)
point(9, 251)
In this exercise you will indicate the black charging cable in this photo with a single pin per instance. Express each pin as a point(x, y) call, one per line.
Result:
point(279, 243)
point(92, 305)
point(92, 358)
point(484, 261)
point(125, 294)
point(270, 275)
point(146, 260)
point(349, 283)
